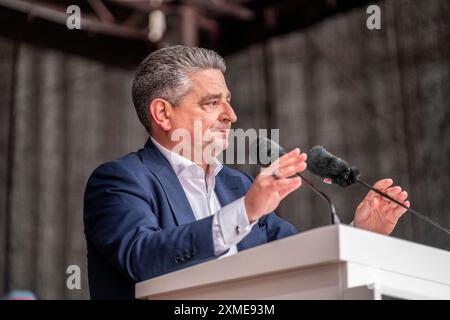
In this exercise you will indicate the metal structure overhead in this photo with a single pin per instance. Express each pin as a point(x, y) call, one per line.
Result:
point(123, 31)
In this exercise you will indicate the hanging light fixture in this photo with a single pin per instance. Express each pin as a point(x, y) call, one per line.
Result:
point(156, 21)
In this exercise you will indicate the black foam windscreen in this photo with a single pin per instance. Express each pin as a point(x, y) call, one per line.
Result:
point(324, 164)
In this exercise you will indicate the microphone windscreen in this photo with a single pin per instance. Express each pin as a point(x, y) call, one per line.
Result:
point(265, 151)
point(324, 164)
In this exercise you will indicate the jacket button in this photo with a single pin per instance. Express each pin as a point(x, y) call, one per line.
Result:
point(179, 260)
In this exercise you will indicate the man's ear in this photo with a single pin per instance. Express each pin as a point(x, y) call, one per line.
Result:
point(160, 111)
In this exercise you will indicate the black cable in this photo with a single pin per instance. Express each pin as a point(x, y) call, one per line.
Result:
point(418, 214)
point(334, 216)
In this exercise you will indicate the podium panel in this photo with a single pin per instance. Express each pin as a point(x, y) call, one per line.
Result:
point(331, 262)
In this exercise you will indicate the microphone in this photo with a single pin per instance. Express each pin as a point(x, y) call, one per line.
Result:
point(337, 171)
point(266, 151)
point(326, 165)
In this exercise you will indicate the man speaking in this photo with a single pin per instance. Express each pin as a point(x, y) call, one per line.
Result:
point(161, 209)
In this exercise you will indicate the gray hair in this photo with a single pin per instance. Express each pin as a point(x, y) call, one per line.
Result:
point(165, 74)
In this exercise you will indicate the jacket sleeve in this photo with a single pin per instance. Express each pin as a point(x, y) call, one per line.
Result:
point(121, 222)
point(276, 227)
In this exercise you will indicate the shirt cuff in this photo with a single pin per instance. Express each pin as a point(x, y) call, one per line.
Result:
point(230, 226)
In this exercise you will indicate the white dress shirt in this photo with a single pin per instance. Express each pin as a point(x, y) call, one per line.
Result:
point(230, 223)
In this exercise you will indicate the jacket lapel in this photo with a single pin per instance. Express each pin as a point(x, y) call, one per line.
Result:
point(161, 168)
point(228, 189)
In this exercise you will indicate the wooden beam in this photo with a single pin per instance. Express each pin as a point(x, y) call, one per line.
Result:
point(224, 8)
point(144, 6)
point(135, 19)
point(189, 32)
point(109, 49)
point(58, 15)
point(210, 25)
point(217, 7)
point(102, 11)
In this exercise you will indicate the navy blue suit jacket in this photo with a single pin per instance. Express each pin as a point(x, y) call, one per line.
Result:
point(138, 222)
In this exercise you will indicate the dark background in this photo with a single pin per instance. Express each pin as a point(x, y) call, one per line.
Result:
point(378, 98)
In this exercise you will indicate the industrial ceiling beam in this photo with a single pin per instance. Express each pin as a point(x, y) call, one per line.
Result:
point(58, 15)
point(227, 30)
point(102, 11)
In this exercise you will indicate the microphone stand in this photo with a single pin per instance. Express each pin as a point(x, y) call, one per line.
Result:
point(418, 214)
point(334, 217)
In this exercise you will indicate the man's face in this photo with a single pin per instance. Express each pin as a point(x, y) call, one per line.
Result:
point(206, 106)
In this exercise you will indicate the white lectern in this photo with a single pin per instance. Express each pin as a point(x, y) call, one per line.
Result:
point(332, 262)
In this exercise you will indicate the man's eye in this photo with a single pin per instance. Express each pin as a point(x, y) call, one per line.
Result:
point(213, 103)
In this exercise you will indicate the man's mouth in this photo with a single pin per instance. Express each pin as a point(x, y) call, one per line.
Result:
point(222, 133)
point(224, 130)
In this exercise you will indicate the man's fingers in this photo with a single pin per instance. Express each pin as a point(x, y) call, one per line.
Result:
point(400, 197)
point(289, 166)
point(290, 162)
point(294, 185)
point(380, 185)
point(285, 183)
point(291, 170)
point(295, 158)
point(399, 211)
point(287, 158)
point(392, 191)
point(383, 184)
point(290, 154)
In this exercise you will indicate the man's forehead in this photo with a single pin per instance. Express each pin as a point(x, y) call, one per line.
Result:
point(208, 77)
point(209, 83)
point(212, 95)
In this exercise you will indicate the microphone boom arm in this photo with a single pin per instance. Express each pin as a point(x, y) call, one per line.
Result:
point(334, 217)
point(418, 214)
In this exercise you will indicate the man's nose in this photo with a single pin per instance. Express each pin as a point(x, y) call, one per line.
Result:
point(228, 113)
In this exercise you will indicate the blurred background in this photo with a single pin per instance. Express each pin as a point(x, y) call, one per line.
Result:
point(378, 98)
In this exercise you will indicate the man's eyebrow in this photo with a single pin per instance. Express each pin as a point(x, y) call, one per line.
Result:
point(212, 96)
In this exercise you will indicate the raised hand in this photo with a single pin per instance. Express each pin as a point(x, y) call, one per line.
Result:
point(378, 214)
point(273, 184)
